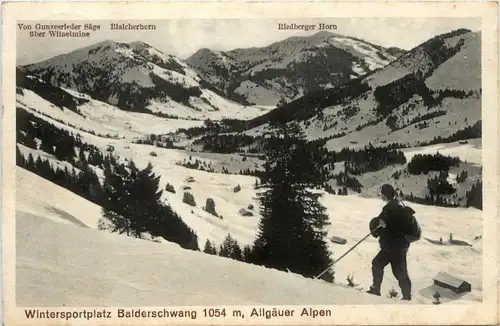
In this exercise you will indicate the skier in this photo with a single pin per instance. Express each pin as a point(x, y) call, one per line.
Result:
point(394, 227)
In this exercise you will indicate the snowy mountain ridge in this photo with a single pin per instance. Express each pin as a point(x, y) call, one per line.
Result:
point(135, 77)
point(423, 95)
point(289, 68)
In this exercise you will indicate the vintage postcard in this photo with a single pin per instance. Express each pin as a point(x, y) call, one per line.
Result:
point(251, 163)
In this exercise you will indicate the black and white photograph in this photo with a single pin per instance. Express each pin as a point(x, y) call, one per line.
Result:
point(258, 161)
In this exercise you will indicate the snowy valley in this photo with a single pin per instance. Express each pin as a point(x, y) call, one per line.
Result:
point(114, 114)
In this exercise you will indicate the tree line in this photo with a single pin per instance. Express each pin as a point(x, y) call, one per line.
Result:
point(36, 133)
point(346, 181)
point(397, 92)
point(124, 182)
point(469, 132)
point(229, 249)
point(368, 159)
point(225, 143)
point(83, 181)
point(225, 125)
point(49, 92)
point(424, 163)
point(129, 197)
point(311, 104)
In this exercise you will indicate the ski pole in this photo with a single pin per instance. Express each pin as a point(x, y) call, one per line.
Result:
point(348, 251)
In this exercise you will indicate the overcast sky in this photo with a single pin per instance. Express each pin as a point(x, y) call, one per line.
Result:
point(184, 37)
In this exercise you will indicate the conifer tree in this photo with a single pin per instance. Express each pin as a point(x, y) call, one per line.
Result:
point(133, 205)
point(88, 184)
point(117, 206)
point(292, 229)
point(210, 207)
point(29, 141)
point(230, 249)
point(47, 146)
point(247, 254)
point(31, 162)
point(20, 161)
point(171, 227)
point(474, 197)
point(209, 248)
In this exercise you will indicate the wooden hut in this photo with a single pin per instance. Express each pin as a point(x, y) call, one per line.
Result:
point(451, 282)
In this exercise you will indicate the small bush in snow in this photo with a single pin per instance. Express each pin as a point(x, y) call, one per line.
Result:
point(210, 207)
point(188, 198)
point(250, 206)
point(237, 188)
point(437, 298)
point(186, 188)
point(153, 154)
point(350, 280)
point(244, 212)
point(392, 293)
point(170, 188)
point(190, 179)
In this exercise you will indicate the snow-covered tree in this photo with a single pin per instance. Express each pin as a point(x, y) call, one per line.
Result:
point(210, 207)
point(292, 230)
point(230, 249)
point(133, 206)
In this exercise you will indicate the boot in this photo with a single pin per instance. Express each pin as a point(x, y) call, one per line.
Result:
point(374, 291)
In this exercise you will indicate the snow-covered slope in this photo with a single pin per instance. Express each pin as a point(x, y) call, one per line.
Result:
point(349, 216)
point(136, 77)
point(36, 196)
point(100, 118)
point(60, 264)
point(87, 114)
point(431, 91)
point(289, 68)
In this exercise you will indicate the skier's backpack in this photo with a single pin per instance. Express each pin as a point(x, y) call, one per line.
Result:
point(415, 232)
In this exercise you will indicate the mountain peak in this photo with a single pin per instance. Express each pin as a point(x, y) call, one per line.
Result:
point(203, 52)
point(139, 45)
point(324, 34)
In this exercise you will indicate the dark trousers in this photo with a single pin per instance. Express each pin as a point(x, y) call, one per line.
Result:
point(397, 259)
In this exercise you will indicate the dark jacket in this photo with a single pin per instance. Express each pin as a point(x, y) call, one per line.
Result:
point(398, 223)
